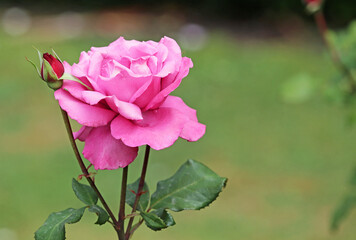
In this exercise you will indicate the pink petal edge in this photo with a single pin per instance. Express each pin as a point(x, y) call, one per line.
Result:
point(106, 152)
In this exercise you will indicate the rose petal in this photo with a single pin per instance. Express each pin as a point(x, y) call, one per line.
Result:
point(123, 86)
point(82, 133)
point(179, 104)
point(80, 69)
point(140, 67)
point(106, 152)
point(127, 110)
point(122, 68)
point(166, 90)
point(141, 49)
point(148, 91)
point(152, 63)
point(94, 69)
point(74, 88)
point(120, 48)
point(193, 130)
point(67, 67)
point(87, 115)
point(159, 128)
point(172, 62)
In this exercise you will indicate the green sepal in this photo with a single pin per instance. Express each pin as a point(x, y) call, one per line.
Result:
point(193, 187)
point(144, 198)
point(40, 55)
point(153, 221)
point(84, 193)
point(55, 54)
point(48, 73)
point(33, 64)
point(55, 85)
point(54, 226)
point(103, 216)
point(67, 76)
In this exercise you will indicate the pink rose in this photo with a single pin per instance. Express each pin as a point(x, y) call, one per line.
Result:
point(123, 100)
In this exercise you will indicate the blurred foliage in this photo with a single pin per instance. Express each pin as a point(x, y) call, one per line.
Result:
point(345, 43)
point(298, 89)
point(347, 204)
point(286, 165)
point(339, 12)
point(339, 89)
point(336, 89)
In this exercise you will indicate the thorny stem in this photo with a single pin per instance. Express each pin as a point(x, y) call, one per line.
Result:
point(85, 171)
point(335, 56)
point(122, 204)
point(139, 190)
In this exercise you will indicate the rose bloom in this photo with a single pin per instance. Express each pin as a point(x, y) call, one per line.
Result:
point(123, 101)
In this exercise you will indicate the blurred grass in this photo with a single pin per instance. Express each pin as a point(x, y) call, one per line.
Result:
point(287, 164)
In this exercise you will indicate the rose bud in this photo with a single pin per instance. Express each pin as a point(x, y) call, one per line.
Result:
point(52, 69)
point(313, 5)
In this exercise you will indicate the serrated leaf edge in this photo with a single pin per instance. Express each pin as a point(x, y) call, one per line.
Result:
point(64, 222)
point(75, 192)
point(190, 161)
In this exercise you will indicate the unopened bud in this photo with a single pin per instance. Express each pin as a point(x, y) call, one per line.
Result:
point(52, 69)
point(313, 6)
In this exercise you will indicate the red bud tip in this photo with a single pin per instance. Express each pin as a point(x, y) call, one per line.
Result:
point(56, 65)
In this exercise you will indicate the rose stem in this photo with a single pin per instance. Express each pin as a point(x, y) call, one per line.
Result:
point(136, 226)
point(139, 190)
point(122, 203)
point(335, 56)
point(84, 169)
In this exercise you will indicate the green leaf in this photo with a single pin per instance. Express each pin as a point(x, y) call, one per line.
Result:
point(165, 216)
point(193, 186)
point(54, 226)
point(153, 221)
point(144, 199)
point(343, 210)
point(84, 193)
point(103, 216)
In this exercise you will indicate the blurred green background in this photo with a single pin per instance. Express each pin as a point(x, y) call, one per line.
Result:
point(288, 164)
